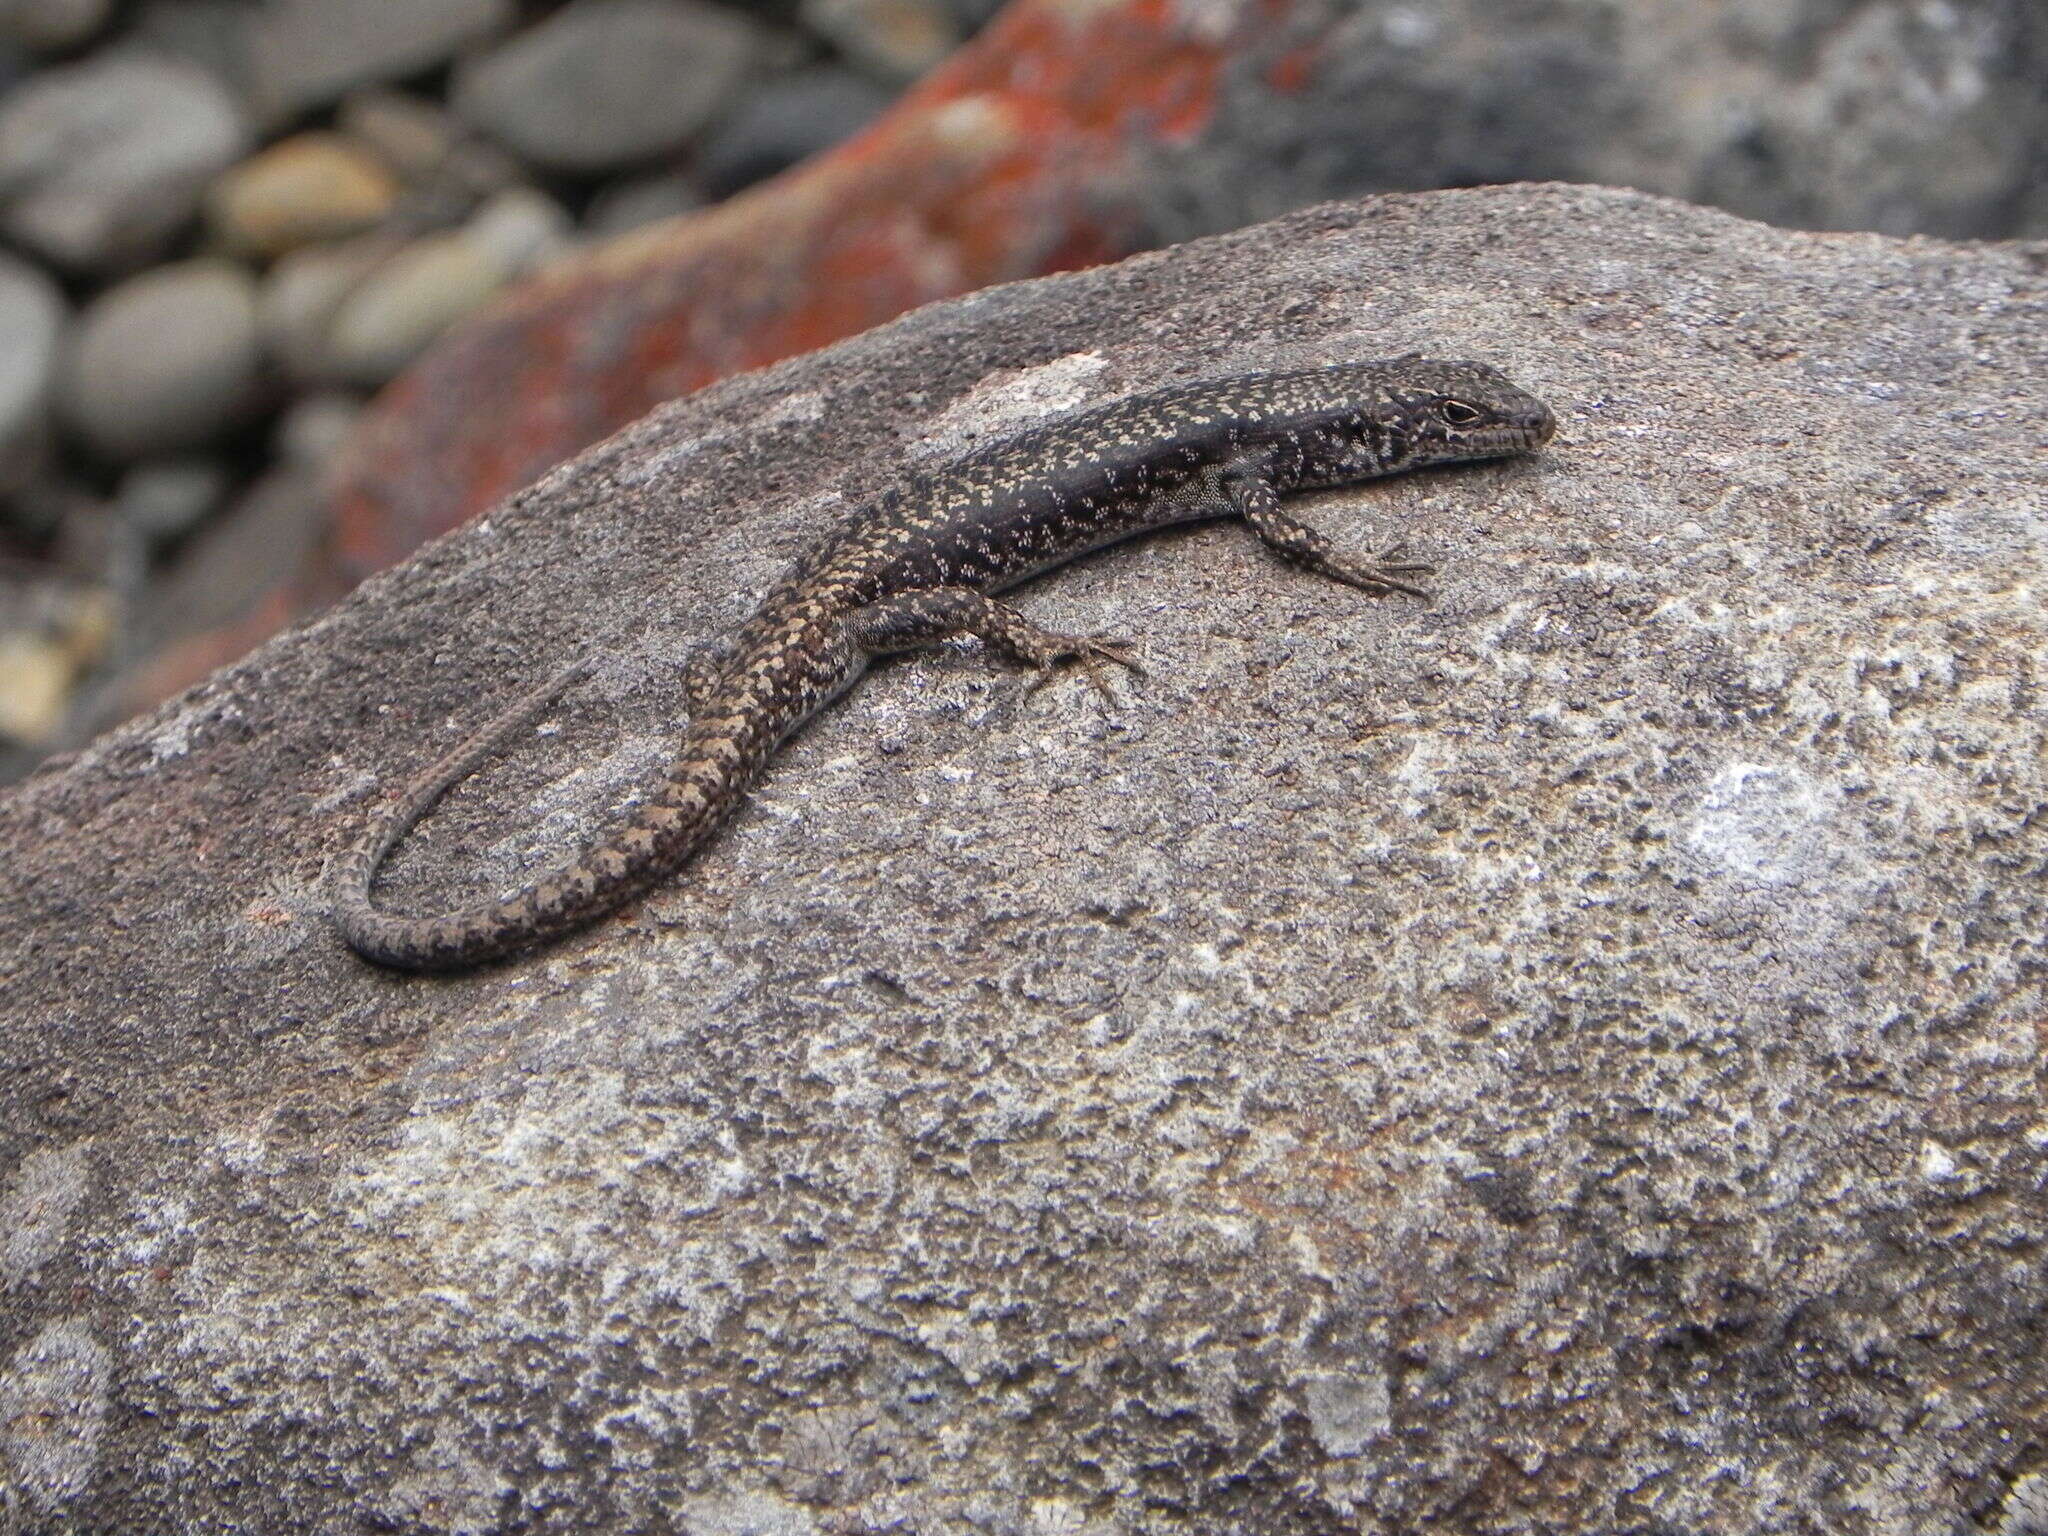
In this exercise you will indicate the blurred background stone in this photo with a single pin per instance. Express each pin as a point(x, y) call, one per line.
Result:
point(31, 320)
point(897, 39)
point(633, 201)
point(102, 162)
point(164, 499)
point(301, 294)
point(213, 34)
point(306, 189)
point(165, 362)
point(313, 430)
point(51, 25)
point(389, 318)
point(51, 631)
point(785, 120)
point(306, 53)
point(604, 84)
point(520, 228)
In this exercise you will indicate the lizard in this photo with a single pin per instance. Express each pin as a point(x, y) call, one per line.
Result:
point(919, 564)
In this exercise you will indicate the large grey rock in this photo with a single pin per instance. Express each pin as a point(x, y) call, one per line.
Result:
point(1564, 1057)
point(303, 53)
point(31, 321)
point(164, 362)
point(102, 162)
point(606, 83)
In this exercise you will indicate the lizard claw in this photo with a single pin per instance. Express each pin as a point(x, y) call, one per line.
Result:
point(1089, 653)
point(1384, 573)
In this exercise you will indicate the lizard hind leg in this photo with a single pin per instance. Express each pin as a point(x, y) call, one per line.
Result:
point(938, 613)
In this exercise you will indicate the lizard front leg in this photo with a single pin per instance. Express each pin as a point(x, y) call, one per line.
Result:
point(1255, 500)
point(937, 613)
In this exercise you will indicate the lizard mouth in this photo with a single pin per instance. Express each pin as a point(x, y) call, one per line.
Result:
point(1512, 437)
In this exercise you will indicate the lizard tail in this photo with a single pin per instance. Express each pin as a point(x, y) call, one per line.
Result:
point(704, 783)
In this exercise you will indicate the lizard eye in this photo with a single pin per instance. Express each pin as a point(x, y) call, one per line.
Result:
point(1458, 413)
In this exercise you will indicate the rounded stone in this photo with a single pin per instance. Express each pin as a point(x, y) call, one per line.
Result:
point(46, 26)
point(391, 317)
point(520, 228)
point(164, 362)
point(896, 40)
point(639, 200)
point(31, 322)
point(409, 133)
point(312, 431)
point(309, 188)
point(604, 84)
point(303, 53)
point(101, 163)
point(301, 294)
point(164, 498)
point(788, 119)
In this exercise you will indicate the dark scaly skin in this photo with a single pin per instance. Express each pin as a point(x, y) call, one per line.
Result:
point(917, 566)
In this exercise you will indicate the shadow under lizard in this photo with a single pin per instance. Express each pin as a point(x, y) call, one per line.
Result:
point(916, 566)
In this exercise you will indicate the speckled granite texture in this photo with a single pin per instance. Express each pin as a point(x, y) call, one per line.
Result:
point(1564, 1058)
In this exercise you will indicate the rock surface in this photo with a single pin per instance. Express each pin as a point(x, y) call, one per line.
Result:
point(101, 162)
point(1564, 1057)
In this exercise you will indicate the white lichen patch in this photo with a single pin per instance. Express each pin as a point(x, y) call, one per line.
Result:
point(751, 1513)
point(53, 1407)
point(177, 735)
point(1011, 402)
point(512, 1204)
point(448, 1489)
point(35, 1213)
point(795, 409)
point(1347, 1410)
point(2026, 1508)
point(1768, 824)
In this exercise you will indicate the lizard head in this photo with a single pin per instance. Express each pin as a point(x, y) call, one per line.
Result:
point(1444, 412)
point(1416, 411)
